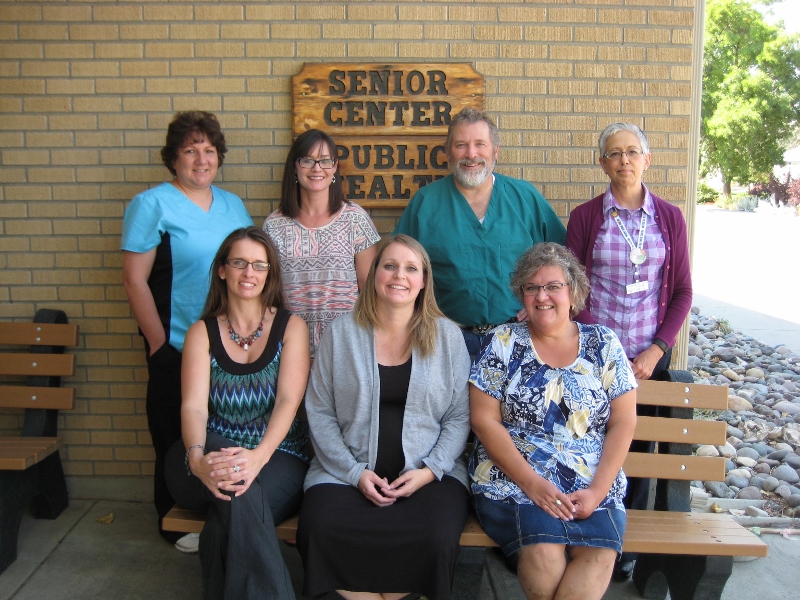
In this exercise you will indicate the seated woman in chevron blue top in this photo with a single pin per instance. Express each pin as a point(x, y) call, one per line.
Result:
point(243, 452)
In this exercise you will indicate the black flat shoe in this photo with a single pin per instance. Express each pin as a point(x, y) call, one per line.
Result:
point(623, 570)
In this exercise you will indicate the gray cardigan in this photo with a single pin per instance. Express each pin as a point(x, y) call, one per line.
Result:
point(342, 403)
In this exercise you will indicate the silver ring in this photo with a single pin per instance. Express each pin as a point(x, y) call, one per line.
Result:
point(558, 502)
point(237, 468)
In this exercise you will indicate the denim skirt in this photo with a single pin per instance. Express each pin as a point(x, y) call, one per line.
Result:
point(514, 525)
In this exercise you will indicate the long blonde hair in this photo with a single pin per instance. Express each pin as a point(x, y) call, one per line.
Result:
point(426, 311)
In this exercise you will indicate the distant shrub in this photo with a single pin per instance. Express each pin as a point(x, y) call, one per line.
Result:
point(777, 192)
point(706, 194)
point(745, 202)
point(794, 193)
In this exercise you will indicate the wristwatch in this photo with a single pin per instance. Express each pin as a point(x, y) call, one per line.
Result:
point(661, 344)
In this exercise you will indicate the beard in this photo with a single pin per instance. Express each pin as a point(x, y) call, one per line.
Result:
point(471, 179)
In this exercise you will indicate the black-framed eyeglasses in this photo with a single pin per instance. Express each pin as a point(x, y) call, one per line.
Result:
point(632, 154)
point(551, 289)
point(238, 263)
point(308, 163)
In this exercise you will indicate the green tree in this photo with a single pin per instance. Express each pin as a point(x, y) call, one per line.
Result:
point(751, 93)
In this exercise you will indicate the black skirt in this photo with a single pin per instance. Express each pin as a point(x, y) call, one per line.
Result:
point(348, 543)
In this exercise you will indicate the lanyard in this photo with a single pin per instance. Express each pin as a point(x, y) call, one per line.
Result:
point(637, 255)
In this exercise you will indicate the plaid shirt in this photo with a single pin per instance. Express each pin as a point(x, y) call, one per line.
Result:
point(633, 317)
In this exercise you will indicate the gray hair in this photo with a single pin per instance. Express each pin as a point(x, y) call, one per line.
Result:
point(549, 254)
point(616, 128)
point(472, 115)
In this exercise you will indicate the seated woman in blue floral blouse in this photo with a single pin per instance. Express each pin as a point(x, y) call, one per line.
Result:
point(552, 404)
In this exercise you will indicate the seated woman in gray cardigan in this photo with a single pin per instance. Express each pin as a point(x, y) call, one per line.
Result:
point(386, 494)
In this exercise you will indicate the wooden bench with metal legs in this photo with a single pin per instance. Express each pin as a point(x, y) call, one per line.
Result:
point(687, 553)
point(30, 466)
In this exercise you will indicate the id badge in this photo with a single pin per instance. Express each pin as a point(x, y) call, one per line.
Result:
point(639, 286)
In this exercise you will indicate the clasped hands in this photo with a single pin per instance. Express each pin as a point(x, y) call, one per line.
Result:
point(567, 507)
point(380, 492)
point(230, 470)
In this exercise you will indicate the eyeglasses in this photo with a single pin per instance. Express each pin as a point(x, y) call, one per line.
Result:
point(632, 154)
point(551, 289)
point(308, 163)
point(238, 263)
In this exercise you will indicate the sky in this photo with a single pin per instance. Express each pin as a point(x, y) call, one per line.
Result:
point(789, 11)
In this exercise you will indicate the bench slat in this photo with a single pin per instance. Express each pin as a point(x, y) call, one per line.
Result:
point(38, 334)
point(22, 396)
point(646, 531)
point(665, 532)
point(37, 364)
point(668, 393)
point(192, 521)
point(681, 431)
point(19, 453)
point(671, 466)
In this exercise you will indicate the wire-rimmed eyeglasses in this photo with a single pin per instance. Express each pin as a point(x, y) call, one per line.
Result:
point(238, 263)
point(551, 289)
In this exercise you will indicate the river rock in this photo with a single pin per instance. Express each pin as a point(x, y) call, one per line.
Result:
point(755, 372)
point(723, 354)
point(730, 375)
point(778, 454)
point(745, 461)
point(787, 407)
point(749, 453)
point(785, 473)
point(737, 404)
point(740, 473)
point(793, 500)
point(762, 468)
point(792, 460)
point(762, 449)
point(728, 451)
point(720, 490)
point(695, 350)
point(738, 482)
point(749, 493)
point(783, 491)
point(769, 484)
point(707, 450)
point(757, 481)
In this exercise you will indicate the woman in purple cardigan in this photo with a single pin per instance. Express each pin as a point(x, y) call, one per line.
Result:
point(634, 247)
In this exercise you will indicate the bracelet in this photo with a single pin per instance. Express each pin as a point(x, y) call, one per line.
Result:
point(662, 345)
point(186, 458)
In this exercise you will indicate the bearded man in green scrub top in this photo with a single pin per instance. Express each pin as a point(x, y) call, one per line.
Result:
point(474, 224)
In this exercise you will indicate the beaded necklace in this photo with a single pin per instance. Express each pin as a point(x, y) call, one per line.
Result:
point(245, 342)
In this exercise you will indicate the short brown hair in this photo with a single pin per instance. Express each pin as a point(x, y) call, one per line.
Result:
point(549, 254)
point(192, 125)
point(472, 115)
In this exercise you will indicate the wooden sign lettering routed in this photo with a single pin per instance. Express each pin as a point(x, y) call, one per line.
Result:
point(386, 99)
point(389, 121)
point(389, 170)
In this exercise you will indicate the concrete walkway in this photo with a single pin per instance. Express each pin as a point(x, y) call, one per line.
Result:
point(745, 270)
point(76, 557)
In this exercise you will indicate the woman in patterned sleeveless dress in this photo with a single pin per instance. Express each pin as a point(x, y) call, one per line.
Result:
point(243, 449)
point(325, 242)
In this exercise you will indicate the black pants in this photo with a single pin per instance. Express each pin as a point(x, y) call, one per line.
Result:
point(637, 495)
point(163, 406)
point(239, 551)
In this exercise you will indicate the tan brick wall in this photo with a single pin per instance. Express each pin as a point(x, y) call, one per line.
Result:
point(87, 89)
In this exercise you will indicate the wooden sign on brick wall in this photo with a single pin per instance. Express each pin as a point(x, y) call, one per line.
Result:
point(389, 121)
